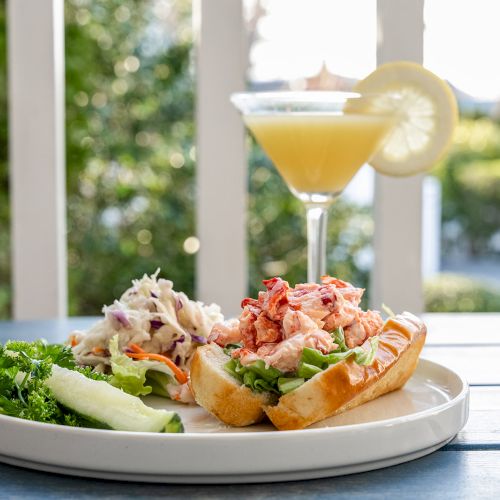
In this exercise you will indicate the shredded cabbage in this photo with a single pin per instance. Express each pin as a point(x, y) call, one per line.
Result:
point(152, 315)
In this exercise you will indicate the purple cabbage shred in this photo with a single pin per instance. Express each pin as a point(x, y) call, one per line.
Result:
point(121, 317)
point(156, 324)
point(178, 304)
point(199, 339)
point(180, 340)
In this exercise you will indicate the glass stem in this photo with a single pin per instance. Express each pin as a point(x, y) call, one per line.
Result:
point(317, 216)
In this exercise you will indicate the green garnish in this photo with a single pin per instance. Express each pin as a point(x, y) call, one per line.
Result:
point(388, 311)
point(286, 385)
point(229, 348)
point(24, 366)
point(339, 339)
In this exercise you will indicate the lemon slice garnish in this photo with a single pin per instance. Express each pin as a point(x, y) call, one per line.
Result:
point(425, 112)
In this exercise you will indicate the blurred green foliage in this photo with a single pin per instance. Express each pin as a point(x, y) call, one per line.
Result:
point(478, 186)
point(470, 178)
point(458, 293)
point(130, 153)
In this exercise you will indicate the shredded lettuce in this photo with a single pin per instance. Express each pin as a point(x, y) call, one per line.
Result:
point(158, 382)
point(307, 370)
point(362, 356)
point(288, 384)
point(128, 375)
point(138, 377)
point(339, 339)
point(365, 357)
point(256, 376)
point(261, 378)
point(229, 348)
point(388, 311)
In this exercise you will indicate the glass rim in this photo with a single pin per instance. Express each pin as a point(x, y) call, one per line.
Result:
point(310, 101)
point(292, 96)
point(302, 96)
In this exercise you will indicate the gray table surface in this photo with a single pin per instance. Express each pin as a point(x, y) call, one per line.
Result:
point(468, 467)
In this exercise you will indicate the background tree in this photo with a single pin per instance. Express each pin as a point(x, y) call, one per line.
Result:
point(130, 153)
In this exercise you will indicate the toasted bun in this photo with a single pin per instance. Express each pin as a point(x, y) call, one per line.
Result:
point(340, 387)
point(220, 393)
point(347, 384)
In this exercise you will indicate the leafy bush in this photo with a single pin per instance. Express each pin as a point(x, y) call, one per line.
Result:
point(471, 186)
point(130, 154)
point(478, 187)
point(457, 293)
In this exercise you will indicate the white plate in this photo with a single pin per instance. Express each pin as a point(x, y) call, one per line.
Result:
point(401, 426)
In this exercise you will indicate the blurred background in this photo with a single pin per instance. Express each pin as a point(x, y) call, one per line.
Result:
point(131, 156)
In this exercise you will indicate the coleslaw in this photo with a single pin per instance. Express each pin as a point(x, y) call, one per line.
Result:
point(154, 323)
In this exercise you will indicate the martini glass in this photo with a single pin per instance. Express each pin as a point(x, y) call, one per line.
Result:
point(317, 140)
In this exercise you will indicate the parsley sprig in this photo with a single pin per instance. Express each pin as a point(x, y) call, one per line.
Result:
point(24, 366)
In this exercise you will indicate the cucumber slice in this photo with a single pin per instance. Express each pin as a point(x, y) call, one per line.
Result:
point(107, 405)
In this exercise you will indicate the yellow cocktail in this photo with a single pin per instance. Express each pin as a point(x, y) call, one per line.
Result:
point(318, 152)
point(317, 141)
point(401, 119)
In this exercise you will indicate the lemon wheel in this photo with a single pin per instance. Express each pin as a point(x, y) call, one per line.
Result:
point(425, 112)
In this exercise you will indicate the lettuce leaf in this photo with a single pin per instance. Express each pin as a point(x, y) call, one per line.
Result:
point(307, 370)
point(158, 382)
point(229, 348)
point(256, 376)
point(313, 358)
point(128, 375)
point(289, 384)
point(339, 339)
point(388, 310)
point(365, 357)
point(138, 377)
point(260, 378)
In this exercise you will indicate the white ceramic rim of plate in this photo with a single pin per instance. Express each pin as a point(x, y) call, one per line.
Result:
point(113, 434)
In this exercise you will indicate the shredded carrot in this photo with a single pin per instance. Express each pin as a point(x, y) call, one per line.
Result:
point(97, 350)
point(73, 341)
point(136, 348)
point(179, 374)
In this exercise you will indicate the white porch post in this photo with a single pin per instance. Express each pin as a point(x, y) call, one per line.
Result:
point(36, 157)
point(221, 159)
point(397, 273)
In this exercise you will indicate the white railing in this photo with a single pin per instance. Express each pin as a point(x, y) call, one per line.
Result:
point(36, 86)
point(221, 159)
point(36, 157)
point(397, 271)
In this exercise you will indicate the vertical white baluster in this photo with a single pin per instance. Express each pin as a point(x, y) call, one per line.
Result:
point(221, 159)
point(36, 156)
point(397, 273)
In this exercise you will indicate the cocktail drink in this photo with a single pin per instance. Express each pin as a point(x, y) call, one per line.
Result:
point(401, 120)
point(317, 141)
point(318, 153)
